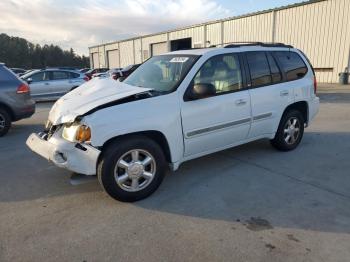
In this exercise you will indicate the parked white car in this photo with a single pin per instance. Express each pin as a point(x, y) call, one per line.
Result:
point(53, 83)
point(176, 107)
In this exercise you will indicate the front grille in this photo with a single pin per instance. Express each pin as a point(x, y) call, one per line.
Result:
point(49, 130)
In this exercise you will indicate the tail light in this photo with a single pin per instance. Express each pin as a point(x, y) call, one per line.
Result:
point(315, 85)
point(86, 78)
point(23, 88)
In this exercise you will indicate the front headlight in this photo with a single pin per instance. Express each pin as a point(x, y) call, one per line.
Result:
point(77, 133)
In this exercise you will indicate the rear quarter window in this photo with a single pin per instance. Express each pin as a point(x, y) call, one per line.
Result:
point(292, 64)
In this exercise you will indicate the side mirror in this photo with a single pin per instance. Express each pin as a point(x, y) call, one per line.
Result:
point(199, 91)
point(29, 80)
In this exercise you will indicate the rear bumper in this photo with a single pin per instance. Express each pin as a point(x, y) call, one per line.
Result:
point(314, 105)
point(80, 159)
point(24, 111)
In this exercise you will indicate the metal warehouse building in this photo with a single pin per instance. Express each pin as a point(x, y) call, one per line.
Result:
point(321, 28)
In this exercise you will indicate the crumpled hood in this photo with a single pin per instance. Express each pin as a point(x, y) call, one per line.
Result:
point(88, 96)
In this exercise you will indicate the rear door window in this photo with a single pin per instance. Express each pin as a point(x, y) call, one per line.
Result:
point(41, 76)
point(292, 64)
point(60, 75)
point(259, 69)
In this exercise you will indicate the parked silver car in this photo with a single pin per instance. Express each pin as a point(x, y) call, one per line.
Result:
point(52, 83)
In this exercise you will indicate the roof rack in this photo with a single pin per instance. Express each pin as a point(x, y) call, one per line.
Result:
point(264, 44)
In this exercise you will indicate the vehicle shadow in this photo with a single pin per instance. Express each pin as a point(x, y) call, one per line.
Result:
point(308, 188)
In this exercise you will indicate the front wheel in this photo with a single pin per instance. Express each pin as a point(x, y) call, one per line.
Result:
point(131, 169)
point(290, 131)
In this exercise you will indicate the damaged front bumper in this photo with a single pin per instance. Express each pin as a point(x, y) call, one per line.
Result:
point(79, 158)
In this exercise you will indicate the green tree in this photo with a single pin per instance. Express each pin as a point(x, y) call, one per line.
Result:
point(18, 52)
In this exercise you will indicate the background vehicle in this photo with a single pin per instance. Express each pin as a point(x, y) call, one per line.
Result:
point(180, 106)
point(18, 71)
point(64, 68)
point(48, 84)
point(125, 72)
point(15, 100)
point(84, 70)
point(91, 72)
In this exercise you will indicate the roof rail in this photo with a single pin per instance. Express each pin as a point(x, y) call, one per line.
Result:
point(264, 44)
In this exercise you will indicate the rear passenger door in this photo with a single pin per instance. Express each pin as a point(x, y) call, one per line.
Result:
point(275, 76)
point(270, 95)
point(60, 83)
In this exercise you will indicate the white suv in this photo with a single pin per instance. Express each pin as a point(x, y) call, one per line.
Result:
point(176, 107)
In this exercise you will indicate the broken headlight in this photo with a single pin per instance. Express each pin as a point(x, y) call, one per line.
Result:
point(76, 133)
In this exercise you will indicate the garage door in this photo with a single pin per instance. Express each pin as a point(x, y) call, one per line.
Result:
point(95, 62)
point(159, 48)
point(113, 58)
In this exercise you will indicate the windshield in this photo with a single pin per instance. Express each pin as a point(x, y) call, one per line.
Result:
point(162, 73)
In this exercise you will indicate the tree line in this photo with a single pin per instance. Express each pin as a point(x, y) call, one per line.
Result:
point(18, 52)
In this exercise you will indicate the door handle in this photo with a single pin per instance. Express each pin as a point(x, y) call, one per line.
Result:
point(284, 93)
point(47, 84)
point(240, 102)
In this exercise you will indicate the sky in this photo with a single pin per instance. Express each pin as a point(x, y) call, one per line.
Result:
point(83, 23)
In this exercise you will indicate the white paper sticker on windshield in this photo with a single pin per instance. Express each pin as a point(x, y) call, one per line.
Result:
point(179, 59)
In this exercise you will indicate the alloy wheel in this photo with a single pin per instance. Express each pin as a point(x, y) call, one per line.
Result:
point(291, 130)
point(135, 170)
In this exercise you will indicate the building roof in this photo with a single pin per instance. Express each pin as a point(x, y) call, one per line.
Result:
point(216, 21)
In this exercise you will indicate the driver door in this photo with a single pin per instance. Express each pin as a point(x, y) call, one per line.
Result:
point(222, 119)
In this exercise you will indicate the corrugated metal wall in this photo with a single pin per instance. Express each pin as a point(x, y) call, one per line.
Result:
point(138, 51)
point(147, 41)
point(126, 53)
point(321, 29)
point(196, 33)
point(251, 28)
point(214, 36)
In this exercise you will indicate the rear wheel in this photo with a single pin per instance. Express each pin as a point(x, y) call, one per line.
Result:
point(290, 131)
point(5, 122)
point(131, 169)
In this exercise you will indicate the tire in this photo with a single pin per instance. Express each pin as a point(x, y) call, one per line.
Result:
point(5, 122)
point(286, 139)
point(111, 167)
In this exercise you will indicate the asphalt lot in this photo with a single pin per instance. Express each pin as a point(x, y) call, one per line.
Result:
point(250, 203)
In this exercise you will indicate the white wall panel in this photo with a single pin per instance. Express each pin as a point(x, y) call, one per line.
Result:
point(214, 34)
point(251, 28)
point(320, 29)
point(126, 53)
